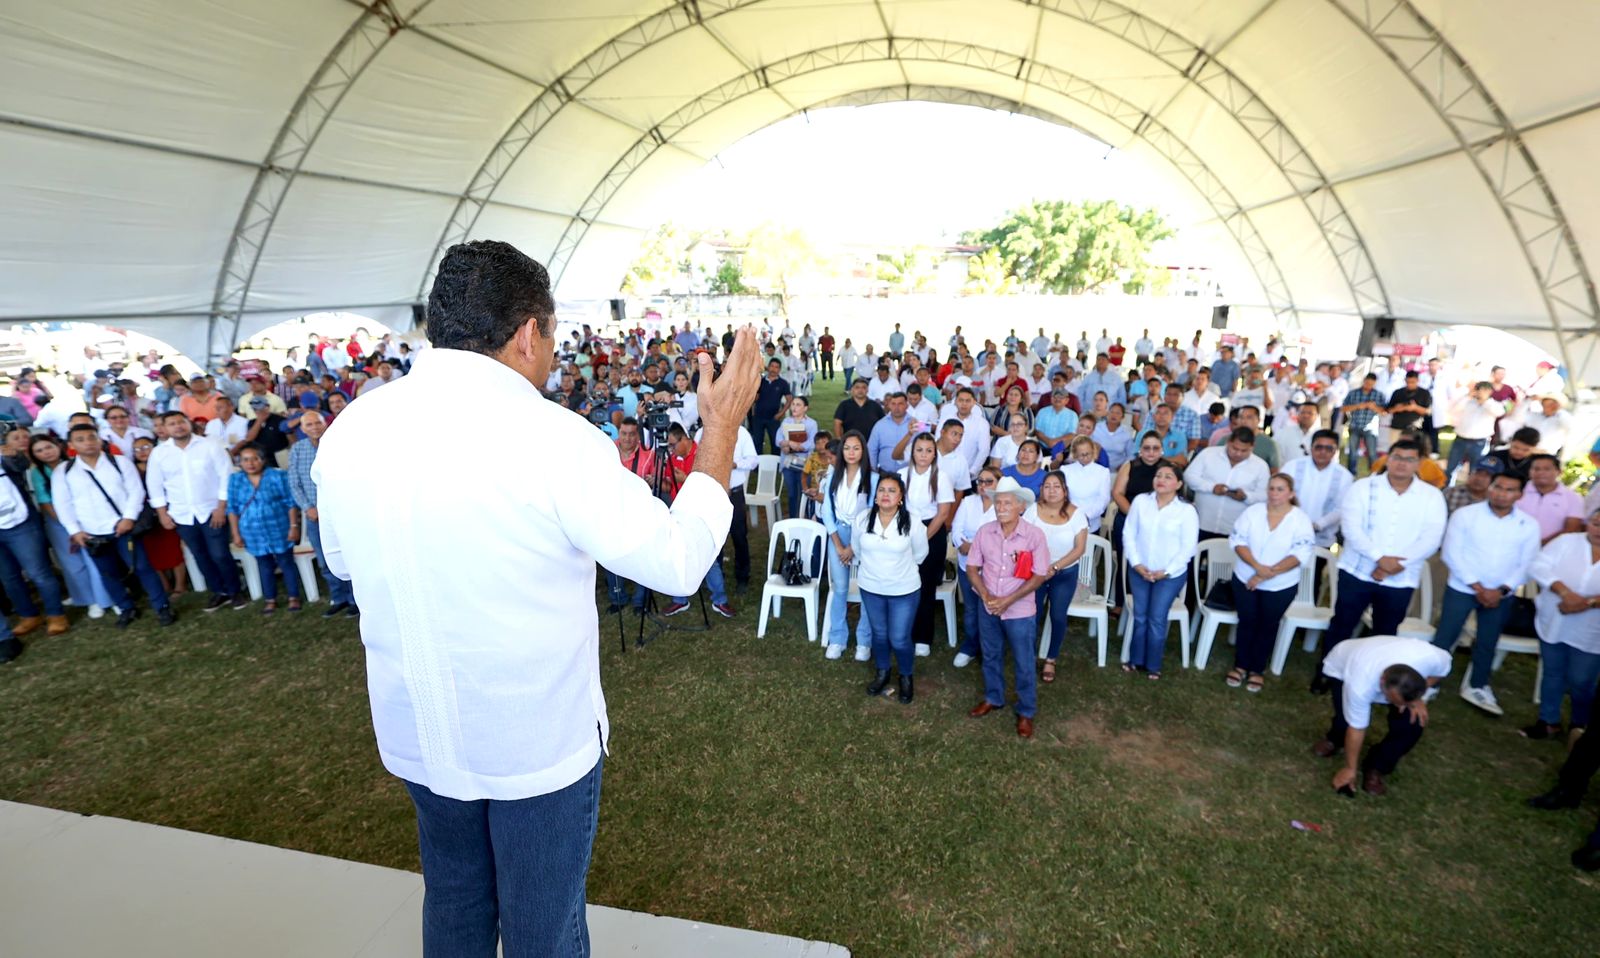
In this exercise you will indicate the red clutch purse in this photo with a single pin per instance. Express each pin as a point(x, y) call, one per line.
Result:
point(1024, 565)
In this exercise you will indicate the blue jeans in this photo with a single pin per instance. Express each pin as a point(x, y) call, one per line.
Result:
point(269, 565)
point(838, 590)
point(970, 639)
point(714, 582)
point(1056, 594)
point(1362, 441)
point(617, 591)
point(1567, 671)
point(793, 485)
point(1463, 450)
point(125, 556)
point(1021, 636)
point(211, 556)
point(1453, 614)
point(507, 871)
point(339, 590)
point(83, 579)
point(849, 374)
point(894, 615)
point(22, 553)
point(1151, 603)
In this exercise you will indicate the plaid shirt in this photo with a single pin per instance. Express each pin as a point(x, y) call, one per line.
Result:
point(1187, 422)
point(263, 511)
point(301, 486)
point(1361, 419)
point(1457, 496)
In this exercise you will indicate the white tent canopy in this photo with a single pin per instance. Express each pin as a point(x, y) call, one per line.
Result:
point(200, 172)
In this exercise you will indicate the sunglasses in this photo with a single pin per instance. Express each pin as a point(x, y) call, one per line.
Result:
point(986, 482)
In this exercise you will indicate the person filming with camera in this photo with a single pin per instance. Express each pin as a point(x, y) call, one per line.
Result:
point(478, 612)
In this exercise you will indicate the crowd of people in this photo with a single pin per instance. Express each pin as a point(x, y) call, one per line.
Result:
point(1012, 455)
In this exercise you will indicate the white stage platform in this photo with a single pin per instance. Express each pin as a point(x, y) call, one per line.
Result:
point(83, 886)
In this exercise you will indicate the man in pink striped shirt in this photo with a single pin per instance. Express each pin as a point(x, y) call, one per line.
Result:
point(1006, 564)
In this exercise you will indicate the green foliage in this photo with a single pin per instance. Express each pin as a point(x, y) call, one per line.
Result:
point(914, 270)
point(729, 279)
point(776, 257)
point(662, 255)
point(1062, 247)
point(986, 274)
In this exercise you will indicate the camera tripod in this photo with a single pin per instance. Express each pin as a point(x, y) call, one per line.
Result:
point(651, 613)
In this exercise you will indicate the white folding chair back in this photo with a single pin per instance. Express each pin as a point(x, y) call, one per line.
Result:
point(764, 498)
point(1093, 597)
point(1179, 613)
point(810, 536)
point(1305, 612)
point(1220, 559)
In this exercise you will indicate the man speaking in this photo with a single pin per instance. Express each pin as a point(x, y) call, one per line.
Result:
point(475, 575)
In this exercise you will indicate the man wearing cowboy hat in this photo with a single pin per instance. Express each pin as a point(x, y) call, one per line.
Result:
point(1008, 561)
point(1545, 413)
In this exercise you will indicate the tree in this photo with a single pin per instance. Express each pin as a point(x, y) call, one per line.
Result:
point(778, 257)
point(986, 274)
point(661, 257)
point(910, 271)
point(729, 279)
point(1062, 247)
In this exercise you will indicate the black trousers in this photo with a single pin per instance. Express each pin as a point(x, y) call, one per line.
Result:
point(739, 535)
point(827, 365)
point(932, 570)
point(1382, 757)
point(1355, 595)
point(1259, 614)
point(1581, 764)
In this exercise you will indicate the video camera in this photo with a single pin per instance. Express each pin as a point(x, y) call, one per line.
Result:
point(656, 420)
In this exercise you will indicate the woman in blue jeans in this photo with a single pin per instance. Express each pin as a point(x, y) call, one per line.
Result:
point(266, 523)
point(1158, 542)
point(797, 436)
point(1066, 529)
point(847, 491)
point(83, 578)
point(1568, 622)
point(889, 547)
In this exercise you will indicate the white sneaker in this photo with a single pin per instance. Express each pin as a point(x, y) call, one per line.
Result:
point(962, 660)
point(1431, 694)
point(863, 652)
point(834, 651)
point(96, 612)
point(922, 650)
point(1483, 698)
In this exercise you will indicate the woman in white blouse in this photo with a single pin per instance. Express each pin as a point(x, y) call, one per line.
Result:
point(1067, 532)
point(931, 501)
point(1272, 540)
point(1158, 542)
point(974, 511)
point(1568, 623)
point(889, 546)
point(1004, 451)
point(847, 491)
point(1088, 482)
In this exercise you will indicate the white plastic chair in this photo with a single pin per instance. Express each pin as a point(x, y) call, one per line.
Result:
point(1418, 623)
point(946, 594)
point(1508, 644)
point(1305, 612)
point(765, 495)
point(808, 535)
point(1179, 613)
point(1093, 597)
point(1220, 560)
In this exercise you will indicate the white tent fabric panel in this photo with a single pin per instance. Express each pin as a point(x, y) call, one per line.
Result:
point(821, 84)
point(733, 121)
point(560, 167)
point(217, 80)
point(539, 41)
point(1103, 58)
point(1525, 53)
point(422, 115)
point(1569, 152)
point(682, 66)
point(1234, 156)
point(598, 267)
point(533, 233)
point(95, 228)
point(1006, 25)
point(642, 200)
point(770, 32)
point(1303, 255)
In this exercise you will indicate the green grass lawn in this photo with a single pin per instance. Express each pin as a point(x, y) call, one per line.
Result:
point(751, 783)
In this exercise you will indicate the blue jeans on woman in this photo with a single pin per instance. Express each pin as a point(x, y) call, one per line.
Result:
point(269, 565)
point(794, 484)
point(1056, 595)
point(838, 606)
point(1021, 637)
point(1567, 671)
point(894, 615)
point(22, 553)
point(1151, 603)
point(971, 640)
point(511, 872)
point(83, 579)
point(1453, 612)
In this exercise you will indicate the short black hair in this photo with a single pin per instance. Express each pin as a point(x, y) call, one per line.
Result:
point(1325, 434)
point(484, 291)
point(1516, 477)
point(82, 427)
point(1539, 457)
point(1405, 680)
point(1244, 435)
point(1217, 409)
point(1527, 435)
point(1402, 445)
point(1255, 409)
point(676, 433)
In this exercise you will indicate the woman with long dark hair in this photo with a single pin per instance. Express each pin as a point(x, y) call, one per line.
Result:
point(848, 486)
point(1160, 539)
point(1014, 404)
point(1066, 529)
point(931, 501)
point(890, 544)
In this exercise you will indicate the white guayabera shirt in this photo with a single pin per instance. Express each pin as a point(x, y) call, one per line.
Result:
point(473, 562)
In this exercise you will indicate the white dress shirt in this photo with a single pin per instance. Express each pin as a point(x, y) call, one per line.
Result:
point(1161, 538)
point(1491, 550)
point(886, 559)
point(1475, 419)
point(1360, 664)
point(1005, 450)
point(954, 465)
point(13, 507)
point(1377, 522)
point(82, 508)
point(188, 480)
point(229, 433)
point(926, 413)
point(877, 388)
point(970, 516)
point(1209, 467)
point(1293, 537)
point(125, 441)
point(974, 436)
point(1062, 538)
point(1293, 442)
point(1321, 494)
point(1200, 403)
point(1565, 559)
point(745, 458)
point(477, 588)
point(1553, 430)
point(1089, 488)
point(922, 500)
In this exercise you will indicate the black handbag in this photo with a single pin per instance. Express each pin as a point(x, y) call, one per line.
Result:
point(99, 545)
point(1522, 619)
point(794, 567)
point(1220, 597)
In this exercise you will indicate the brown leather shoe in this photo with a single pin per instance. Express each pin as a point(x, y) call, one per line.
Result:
point(55, 624)
point(1322, 748)
point(1024, 727)
point(1373, 784)
point(24, 626)
point(984, 708)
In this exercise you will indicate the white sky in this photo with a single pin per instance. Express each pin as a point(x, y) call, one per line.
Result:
point(906, 173)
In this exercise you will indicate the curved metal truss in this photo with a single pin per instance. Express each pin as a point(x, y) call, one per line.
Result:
point(924, 93)
point(350, 57)
point(1494, 144)
point(1130, 116)
point(1196, 65)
